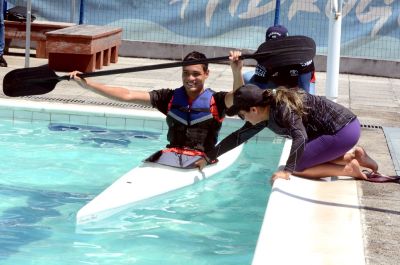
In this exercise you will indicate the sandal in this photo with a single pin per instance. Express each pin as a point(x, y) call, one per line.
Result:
point(378, 177)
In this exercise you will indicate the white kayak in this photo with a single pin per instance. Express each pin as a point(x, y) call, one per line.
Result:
point(146, 181)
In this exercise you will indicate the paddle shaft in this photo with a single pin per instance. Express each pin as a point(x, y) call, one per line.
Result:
point(151, 67)
point(177, 64)
point(290, 50)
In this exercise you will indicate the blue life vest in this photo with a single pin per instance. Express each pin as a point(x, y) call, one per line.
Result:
point(192, 126)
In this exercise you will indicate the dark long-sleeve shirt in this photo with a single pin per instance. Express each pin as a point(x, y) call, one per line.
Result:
point(324, 117)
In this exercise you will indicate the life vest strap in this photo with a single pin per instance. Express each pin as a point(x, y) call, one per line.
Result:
point(184, 151)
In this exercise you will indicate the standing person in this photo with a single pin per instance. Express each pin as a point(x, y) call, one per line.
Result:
point(194, 114)
point(3, 62)
point(321, 130)
point(292, 75)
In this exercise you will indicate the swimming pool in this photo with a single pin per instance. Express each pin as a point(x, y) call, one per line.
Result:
point(54, 163)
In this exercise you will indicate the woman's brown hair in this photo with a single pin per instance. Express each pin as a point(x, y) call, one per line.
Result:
point(291, 97)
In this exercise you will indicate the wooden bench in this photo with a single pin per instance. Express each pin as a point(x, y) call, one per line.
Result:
point(17, 30)
point(83, 47)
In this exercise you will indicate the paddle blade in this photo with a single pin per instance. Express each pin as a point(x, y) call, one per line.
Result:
point(285, 51)
point(29, 81)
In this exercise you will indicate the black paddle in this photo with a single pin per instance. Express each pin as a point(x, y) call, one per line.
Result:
point(273, 53)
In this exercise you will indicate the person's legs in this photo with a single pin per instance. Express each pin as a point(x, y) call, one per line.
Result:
point(327, 148)
point(364, 159)
point(3, 62)
point(247, 76)
point(352, 169)
point(304, 82)
point(361, 156)
point(311, 89)
point(267, 85)
point(326, 155)
point(2, 27)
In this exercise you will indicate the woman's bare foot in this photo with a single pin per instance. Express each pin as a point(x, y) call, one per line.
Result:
point(353, 169)
point(349, 156)
point(364, 159)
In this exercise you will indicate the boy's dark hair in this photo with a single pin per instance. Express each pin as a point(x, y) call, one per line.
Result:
point(195, 55)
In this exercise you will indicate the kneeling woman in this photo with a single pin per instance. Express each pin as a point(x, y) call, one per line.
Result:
point(322, 131)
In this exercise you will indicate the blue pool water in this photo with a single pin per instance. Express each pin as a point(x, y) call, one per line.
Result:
point(49, 171)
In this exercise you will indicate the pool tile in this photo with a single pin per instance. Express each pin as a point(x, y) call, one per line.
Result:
point(97, 121)
point(117, 123)
point(6, 113)
point(42, 116)
point(153, 124)
point(39, 122)
point(57, 117)
point(23, 115)
point(134, 124)
point(79, 119)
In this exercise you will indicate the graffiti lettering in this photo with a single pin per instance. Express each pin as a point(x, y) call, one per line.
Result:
point(210, 9)
point(302, 5)
point(211, 6)
point(398, 20)
point(347, 7)
point(185, 3)
point(365, 13)
point(380, 14)
point(254, 10)
point(233, 7)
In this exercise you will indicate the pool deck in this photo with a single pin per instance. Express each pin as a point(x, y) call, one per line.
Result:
point(341, 221)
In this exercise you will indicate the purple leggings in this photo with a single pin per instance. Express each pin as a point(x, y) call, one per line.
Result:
point(329, 147)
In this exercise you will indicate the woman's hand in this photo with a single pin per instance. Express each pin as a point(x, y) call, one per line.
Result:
point(280, 174)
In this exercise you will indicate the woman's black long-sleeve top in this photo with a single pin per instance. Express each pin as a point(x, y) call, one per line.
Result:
point(323, 117)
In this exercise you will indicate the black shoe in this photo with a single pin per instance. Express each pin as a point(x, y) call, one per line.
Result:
point(3, 62)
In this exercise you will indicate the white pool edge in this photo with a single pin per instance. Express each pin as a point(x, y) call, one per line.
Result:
point(92, 109)
point(311, 222)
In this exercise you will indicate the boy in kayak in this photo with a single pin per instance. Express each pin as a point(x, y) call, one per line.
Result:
point(194, 113)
